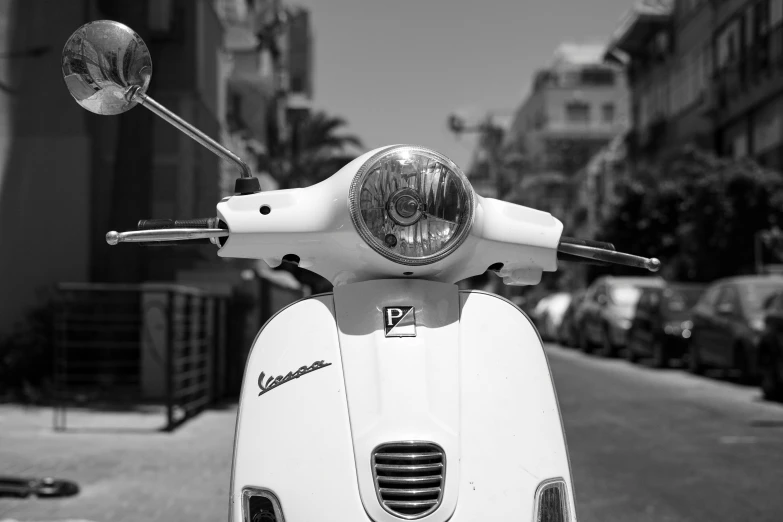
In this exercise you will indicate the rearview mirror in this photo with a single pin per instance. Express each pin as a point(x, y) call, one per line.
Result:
point(106, 66)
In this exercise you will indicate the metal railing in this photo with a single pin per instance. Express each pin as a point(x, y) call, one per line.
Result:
point(120, 345)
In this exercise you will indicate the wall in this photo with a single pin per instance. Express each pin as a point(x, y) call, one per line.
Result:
point(44, 159)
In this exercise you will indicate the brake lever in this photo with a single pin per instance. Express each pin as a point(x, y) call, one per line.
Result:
point(165, 234)
point(610, 256)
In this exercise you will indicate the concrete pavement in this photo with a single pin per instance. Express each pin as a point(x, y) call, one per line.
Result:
point(126, 468)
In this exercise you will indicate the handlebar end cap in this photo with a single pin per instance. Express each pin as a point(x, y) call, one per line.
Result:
point(112, 237)
point(653, 264)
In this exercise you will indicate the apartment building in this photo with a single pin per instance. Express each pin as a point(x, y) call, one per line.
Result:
point(666, 50)
point(748, 82)
point(577, 104)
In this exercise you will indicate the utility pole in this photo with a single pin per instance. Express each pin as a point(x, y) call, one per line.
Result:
point(491, 139)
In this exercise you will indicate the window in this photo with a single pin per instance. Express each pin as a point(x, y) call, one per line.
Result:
point(608, 112)
point(577, 112)
point(644, 109)
point(728, 301)
point(708, 299)
point(598, 76)
point(775, 13)
point(739, 146)
point(728, 45)
point(767, 127)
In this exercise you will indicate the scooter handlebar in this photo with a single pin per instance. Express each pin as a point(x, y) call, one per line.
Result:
point(165, 232)
point(608, 256)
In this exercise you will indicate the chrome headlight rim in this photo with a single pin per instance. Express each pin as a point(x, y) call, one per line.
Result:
point(465, 225)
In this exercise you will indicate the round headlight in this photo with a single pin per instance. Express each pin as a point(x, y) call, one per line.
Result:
point(412, 205)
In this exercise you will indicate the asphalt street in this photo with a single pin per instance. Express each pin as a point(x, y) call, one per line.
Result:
point(666, 446)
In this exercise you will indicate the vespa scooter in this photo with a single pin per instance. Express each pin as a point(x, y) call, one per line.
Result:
point(396, 396)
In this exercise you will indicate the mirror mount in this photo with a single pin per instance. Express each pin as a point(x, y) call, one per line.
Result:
point(107, 68)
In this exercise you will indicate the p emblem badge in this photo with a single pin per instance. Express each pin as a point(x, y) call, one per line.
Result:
point(399, 321)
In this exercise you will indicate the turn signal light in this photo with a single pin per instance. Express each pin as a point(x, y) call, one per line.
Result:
point(551, 502)
point(260, 505)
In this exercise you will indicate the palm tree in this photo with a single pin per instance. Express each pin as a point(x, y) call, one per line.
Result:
point(318, 149)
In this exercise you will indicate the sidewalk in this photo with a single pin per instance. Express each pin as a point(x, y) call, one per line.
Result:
point(126, 469)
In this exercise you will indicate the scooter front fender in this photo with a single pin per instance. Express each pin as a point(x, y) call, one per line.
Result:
point(474, 380)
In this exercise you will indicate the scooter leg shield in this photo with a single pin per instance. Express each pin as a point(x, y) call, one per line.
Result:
point(293, 438)
point(399, 399)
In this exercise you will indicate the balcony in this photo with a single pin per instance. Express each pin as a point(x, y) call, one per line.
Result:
point(748, 79)
point(638, 27)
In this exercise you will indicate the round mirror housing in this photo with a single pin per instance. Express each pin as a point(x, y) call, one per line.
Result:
point(106, 65)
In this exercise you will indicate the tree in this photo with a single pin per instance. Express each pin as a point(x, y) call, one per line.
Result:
point(698, 213)
point(319, 150)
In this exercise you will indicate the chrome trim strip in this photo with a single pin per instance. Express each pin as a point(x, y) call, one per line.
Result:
point(410, 504)
point(413, 492)
point(409, 480)
point(408, 455)
point(412, 467)
point(388, 505)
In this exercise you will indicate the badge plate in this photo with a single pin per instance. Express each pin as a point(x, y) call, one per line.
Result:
point(399, 321)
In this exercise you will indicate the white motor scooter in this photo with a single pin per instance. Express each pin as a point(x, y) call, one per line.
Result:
point(397, 396)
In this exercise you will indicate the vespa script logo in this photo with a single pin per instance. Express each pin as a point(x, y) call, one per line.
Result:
point(399, 321)
point(273, 382)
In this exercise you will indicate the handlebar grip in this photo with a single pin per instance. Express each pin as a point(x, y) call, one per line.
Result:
point(176, 243)
point(160, 224)
point(587, 242)
point(570, 258)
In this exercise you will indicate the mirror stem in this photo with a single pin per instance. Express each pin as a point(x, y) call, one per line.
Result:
point(246, 184)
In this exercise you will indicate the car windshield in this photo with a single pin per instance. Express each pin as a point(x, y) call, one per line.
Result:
point(679, 300)
point(625, 295)
point(756, 294)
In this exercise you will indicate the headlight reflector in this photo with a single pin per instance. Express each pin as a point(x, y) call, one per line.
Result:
point(412, 205)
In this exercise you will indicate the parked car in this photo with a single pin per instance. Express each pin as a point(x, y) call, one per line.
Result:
point(569, 331)
point(550, 317)
point(728, 322)
point(607, 310)
point(771, 349)
point(661, 326)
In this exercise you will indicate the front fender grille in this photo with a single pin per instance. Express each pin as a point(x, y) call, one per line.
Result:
point(409, 477)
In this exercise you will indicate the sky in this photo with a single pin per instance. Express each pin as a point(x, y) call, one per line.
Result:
point(396, 69)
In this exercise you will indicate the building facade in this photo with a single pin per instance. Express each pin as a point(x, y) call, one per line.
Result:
point(68, 176)
point(666, 49)
point(576, 106)
point(748, 86)
point(704, 72)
